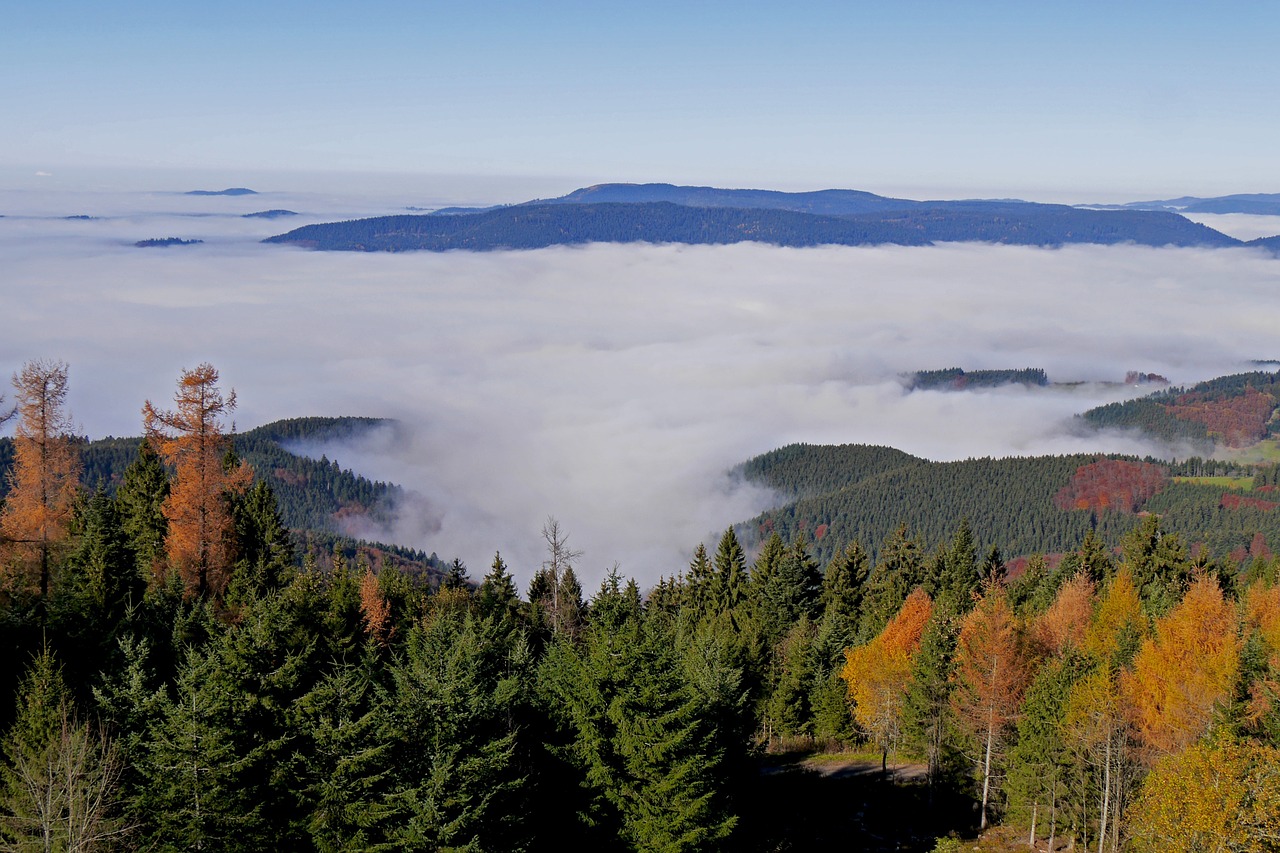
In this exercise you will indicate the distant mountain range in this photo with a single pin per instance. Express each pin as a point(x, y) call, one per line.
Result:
point(1266, 204)
point(665, 213)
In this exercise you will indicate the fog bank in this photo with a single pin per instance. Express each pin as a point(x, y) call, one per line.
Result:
point(614, 386)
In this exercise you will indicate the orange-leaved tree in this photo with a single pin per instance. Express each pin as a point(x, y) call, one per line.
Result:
point(991, 674)
point(1063, 625)
point(45, 476)
point(1185, 671)
point(879, 672)
point(191, 439)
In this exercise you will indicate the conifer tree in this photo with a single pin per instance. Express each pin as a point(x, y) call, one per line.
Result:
point(44, 480)
point(59, 782)
point(926, 708)
point(141, 499)
point(731, 572)
point(191, 439)
point(844, 582)
point(990, 675)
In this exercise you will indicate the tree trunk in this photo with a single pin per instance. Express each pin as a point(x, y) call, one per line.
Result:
point(1106, 796)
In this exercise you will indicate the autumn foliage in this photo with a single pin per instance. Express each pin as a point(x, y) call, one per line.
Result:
point(992, 671)
point(1213, 796)
point(45, 476)
point(1185, 671)
point(191, 439)
point(1112, 484)
point(1236, 421)
point(879, 672)
point(1063, 625)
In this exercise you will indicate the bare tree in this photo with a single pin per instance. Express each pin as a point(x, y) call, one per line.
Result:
point(564, 599)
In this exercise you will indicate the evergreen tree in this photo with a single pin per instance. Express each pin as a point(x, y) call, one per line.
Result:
point(59, 782)
point(498, 599)
point(141, 497)
point(844, 582)
point(731, 573)
point(926, 721)
point(899, 571)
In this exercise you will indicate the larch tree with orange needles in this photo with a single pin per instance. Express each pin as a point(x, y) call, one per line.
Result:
point(45, 477)
point(191, 439)
point(1063, 625)
point(879, 672)
point(990, 676)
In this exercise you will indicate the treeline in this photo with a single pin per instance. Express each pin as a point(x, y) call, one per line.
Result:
point(954, 378)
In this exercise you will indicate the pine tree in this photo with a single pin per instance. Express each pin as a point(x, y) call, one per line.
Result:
point(926, 707)
point(498, 599)
point(844, 582)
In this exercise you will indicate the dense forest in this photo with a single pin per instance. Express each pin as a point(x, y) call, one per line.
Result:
point(1026, 505)
point(1230, 411)
point(957, 379)
point(538, 225)
point(192, 676)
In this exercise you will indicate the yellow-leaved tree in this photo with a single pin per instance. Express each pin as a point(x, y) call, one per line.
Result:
point(879, 672)
point(191, 438)
point(1181, 674)
point(1212, 796)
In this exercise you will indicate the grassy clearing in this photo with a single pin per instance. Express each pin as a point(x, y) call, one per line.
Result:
point(1241, 484)
point(1263, 453)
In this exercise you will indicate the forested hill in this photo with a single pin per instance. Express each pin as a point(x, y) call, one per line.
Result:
point(1263, 204)
point(836, 495)
point(318, 499)
point(1232, 412)
point(552, 224)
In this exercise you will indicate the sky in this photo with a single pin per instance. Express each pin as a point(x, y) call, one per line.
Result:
point(1087, 101)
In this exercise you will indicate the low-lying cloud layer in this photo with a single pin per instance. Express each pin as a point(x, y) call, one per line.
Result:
point(614, 386)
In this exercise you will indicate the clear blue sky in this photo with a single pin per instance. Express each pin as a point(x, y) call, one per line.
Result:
point(1088, 99)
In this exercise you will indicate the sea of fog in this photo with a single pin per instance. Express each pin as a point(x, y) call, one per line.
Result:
point(613, 387)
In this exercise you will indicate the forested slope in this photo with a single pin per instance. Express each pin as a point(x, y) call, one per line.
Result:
point(536, 226)
point(1026, 505)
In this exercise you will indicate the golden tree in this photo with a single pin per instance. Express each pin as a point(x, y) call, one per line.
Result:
point(879, 672)
point(45, 476)
point(1221, 795)
point(1185, 671)
point(191, 439)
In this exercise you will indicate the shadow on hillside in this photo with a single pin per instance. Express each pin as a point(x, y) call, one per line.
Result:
point(797, 805)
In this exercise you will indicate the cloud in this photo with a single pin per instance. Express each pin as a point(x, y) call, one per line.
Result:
point(44, 174)
point(614, 386)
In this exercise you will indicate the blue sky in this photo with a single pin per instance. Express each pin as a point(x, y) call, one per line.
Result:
point(1079, 101)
